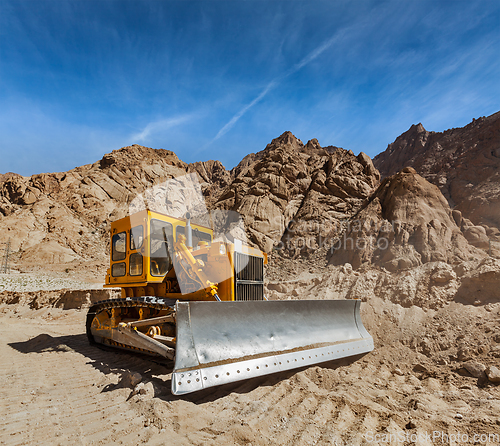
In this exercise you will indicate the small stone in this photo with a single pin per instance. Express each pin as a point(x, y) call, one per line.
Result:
point(459, 416)
point(347, 268)
point(398, 372)
point(476, 369)
point(443, 275)
point(147, 390)
point(420, 368)
point(411, 425)
point(138, 390)
point(464, 354)
point(130, 379)
point(413, 380)
point(493, 374)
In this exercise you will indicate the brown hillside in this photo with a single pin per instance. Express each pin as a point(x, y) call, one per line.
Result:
point(407, 222)
point(464, 163)
point(290, 194)
point(62, 219)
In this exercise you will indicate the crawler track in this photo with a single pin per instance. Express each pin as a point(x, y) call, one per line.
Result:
point(150, 302)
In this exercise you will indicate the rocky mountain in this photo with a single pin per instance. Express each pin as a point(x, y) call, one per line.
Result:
point(6, 176)
point(464, 163)
point(291, 195)
point(295, 199)
point(62, 219)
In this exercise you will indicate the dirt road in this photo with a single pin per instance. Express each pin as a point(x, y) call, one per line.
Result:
point(56, 389)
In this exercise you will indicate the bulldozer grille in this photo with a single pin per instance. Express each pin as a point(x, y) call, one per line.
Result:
point(249, 291)
point(249, 277)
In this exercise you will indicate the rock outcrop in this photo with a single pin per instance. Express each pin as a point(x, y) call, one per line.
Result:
point(60, 218)
point(406, 223)
point(294, 198)
point(289, 194)
point(292, 195)
point(214, 177)
point(465, 164)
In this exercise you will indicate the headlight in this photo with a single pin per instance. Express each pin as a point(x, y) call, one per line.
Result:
point(222, 249)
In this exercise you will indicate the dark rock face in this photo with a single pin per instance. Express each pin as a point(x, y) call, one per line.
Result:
point(464, 163)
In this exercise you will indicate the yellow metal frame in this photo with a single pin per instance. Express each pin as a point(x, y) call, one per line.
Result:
point(218, 263)
point(142, 218)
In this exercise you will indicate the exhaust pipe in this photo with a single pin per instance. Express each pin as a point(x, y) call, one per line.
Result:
point(189, 232)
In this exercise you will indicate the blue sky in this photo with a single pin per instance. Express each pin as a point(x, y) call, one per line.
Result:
point(220, 79)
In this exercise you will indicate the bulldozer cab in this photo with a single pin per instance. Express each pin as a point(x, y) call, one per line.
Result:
point(150, 255)
point(142, 245)
point(161, 236)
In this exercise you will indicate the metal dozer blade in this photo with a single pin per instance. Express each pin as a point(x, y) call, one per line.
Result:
point(223, 342)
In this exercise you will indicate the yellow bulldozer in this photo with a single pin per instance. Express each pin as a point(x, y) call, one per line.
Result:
point(201, 303)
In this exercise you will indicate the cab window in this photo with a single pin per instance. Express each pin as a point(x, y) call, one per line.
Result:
point(118, 269)
point(119, 246)
point(136, 237)
point(178, 230)
point(135, 264)
point(160, 237)
point(198, 236)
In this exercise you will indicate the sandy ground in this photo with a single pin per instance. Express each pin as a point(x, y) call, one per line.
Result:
point(56, 389)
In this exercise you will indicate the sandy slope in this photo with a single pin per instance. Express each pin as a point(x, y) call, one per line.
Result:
point(56, 389)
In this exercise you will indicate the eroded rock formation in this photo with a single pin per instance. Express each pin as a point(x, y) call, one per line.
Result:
point(406, 223)
point(60, 218)
point(465, 164)
point(291, 195)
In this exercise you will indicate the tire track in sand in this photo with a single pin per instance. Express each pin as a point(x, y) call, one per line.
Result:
point(55, 395)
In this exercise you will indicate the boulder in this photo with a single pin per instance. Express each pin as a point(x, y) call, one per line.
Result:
point(476, 369)
point(493, 374)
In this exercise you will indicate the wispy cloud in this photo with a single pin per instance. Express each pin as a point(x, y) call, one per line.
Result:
point(247, 107)
point(313, 55)
point(274, 83)
point(160, 126)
